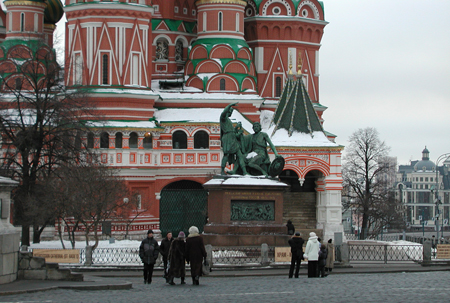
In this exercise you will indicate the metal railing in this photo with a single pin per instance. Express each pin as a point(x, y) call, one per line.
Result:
point(113, 256)
point(253, 255)
point(385, 253)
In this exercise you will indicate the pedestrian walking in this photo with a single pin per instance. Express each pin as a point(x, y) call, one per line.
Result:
point(290, 228)
point(330, 257)
point(177, 259)
point(296, 243)
point(195, 253)
point(312, 254)
point(148, 252)
point(322, 261)
point(164, 250)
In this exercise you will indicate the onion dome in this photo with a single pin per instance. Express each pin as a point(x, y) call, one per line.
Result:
point(53, 12)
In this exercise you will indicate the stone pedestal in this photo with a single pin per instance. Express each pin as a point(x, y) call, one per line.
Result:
point(245, 211)
point(9, 237)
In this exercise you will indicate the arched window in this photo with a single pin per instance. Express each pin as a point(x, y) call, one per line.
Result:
point(179, 140)
point(201, 139)
point(22, 22)
point(36, 22)
point(105, 69)
point(277, 86)
point(90, 140)
point(119, 137)
point(162, 49)
point(237, 22)
point(133, 143)
point(147, 142)
point(78, 141)
point(222, 84)
point(220, 21)
point(18, 83)
point(104, 140)
point(179, 51)
point(204, 22)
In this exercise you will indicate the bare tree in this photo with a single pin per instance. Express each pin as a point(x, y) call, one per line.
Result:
point(88, 195)
point(366, 175)
point(131, 211)
point(41, 122)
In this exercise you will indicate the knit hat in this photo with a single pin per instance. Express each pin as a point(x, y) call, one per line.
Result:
point(312, 234)
point(297, 234)
point(181, 234)
point(150, 231)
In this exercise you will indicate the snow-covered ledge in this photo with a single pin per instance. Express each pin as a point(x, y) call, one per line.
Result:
point(9, 237)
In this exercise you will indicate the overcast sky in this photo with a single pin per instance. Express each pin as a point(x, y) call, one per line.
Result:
point(386, 64)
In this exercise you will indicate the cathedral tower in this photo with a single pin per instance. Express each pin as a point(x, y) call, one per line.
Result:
point(221, 60)
point(108, 50)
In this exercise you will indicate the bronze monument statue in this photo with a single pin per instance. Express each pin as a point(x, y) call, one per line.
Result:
point(248, 153)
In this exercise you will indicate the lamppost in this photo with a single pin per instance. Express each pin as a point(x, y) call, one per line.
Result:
point(436, 191)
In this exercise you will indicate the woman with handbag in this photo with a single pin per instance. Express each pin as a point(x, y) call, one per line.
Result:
point(195, 253)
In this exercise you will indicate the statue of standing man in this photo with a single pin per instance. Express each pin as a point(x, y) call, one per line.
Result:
point(232, 152)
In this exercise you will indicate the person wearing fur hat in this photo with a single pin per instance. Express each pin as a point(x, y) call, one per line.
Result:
point(177, 259)
point(148, 252)
point(312, 254)
point(296, 243)
point(195, 253)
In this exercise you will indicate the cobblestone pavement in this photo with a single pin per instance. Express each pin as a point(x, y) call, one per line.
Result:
point(392, 287)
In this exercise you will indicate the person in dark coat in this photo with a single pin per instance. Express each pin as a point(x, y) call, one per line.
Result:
point(296, 243)
point(290, 228)
point(164, 250)
point(177, 259)
point(195, 253)
point(148, 252)
point(322, 260)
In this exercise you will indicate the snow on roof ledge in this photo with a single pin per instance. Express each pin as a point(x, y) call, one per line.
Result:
point(246, 181)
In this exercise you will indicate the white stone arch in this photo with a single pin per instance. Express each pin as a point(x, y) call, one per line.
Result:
point(284, 2)
point(183, 39)
point(311, 5)
point(164, 37)
point(253, 6)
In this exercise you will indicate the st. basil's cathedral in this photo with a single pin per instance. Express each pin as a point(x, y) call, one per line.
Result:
point(160, 73)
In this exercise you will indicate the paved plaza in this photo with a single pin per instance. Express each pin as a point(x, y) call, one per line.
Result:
point(376, 287)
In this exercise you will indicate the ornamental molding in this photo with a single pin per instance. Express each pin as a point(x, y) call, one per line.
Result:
point(311, 5)
point(30, 3)
point(284, 2)
point(239, 2)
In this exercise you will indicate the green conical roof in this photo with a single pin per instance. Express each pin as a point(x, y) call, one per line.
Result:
point(295, 111)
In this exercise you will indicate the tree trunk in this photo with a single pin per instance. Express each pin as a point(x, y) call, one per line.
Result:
point(37, 234)
point(26, 234)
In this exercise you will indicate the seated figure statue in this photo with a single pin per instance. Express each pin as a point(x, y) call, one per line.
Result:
point(248, 153)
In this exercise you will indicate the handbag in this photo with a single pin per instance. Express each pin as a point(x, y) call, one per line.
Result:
point(206, 268)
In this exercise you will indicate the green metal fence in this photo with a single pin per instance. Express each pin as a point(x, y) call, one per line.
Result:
point(180, 209)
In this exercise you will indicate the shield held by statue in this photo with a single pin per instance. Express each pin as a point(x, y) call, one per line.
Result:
point(276, 167)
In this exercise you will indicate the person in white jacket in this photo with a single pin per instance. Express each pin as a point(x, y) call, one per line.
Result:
point(312, 254)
